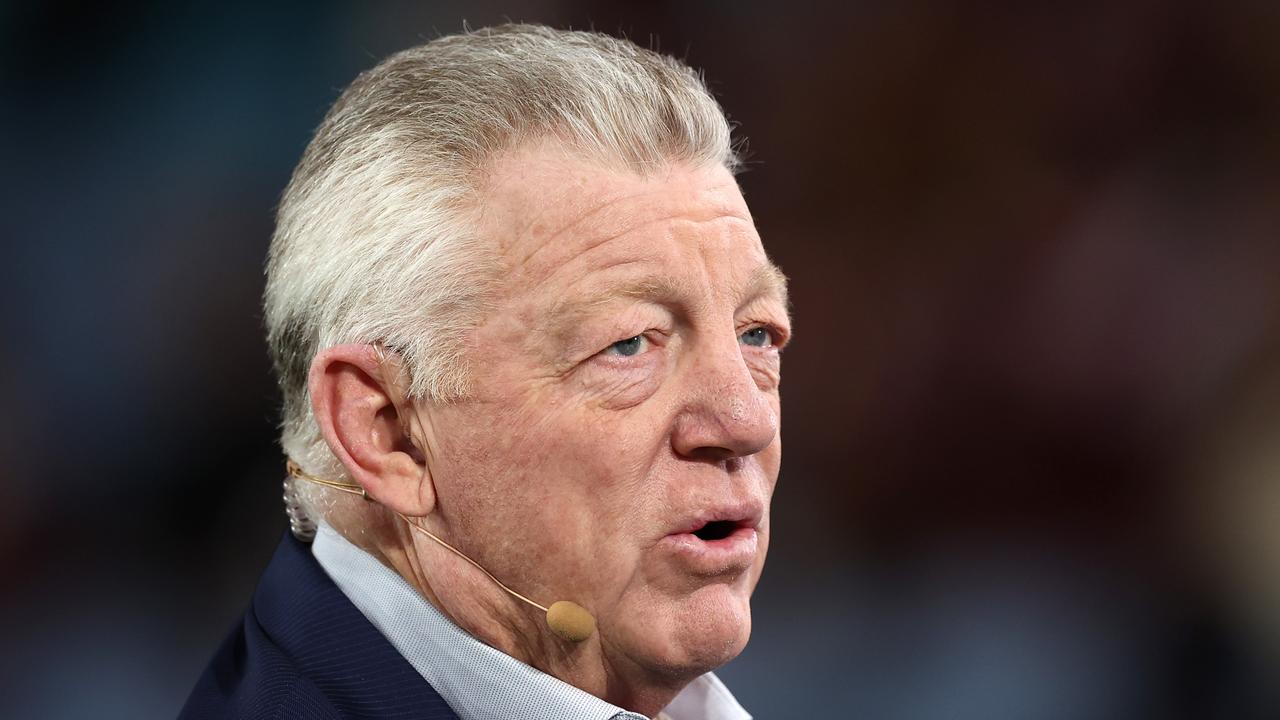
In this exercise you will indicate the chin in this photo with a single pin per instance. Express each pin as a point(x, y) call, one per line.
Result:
point(682, 638)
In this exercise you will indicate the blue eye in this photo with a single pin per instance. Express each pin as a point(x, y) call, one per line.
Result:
point(756, 337)
point(627, 348)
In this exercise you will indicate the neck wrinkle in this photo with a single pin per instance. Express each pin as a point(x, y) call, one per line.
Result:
point(639, 690)
point(510, 626)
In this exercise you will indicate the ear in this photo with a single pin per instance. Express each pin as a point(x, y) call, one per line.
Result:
point(353, 398)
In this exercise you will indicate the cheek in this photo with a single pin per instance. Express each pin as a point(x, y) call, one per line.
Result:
point(599, 467)
point(549, 475)
point(766, 370)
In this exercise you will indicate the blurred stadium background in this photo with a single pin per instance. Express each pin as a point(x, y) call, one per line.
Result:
point(1032, 417)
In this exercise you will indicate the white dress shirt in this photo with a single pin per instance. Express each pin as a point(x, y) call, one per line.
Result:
point(479, 682)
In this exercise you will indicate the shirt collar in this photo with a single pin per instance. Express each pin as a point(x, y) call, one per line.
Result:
point(478, 681)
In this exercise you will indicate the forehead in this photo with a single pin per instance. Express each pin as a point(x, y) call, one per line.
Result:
point(557, 220)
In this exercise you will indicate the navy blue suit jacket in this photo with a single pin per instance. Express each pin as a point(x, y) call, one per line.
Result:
point(304, 651)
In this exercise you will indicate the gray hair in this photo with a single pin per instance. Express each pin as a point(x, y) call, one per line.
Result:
point(374, 238)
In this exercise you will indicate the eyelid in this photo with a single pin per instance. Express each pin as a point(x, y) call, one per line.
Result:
point(780, 335)
point(609, 350)
point(653, 336)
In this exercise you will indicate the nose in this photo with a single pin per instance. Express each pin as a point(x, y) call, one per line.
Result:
point(725, 414)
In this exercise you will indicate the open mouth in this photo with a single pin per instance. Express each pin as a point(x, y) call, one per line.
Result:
point(721, 542)
point(716, 530)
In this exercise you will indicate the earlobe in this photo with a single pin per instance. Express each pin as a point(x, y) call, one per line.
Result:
point(354, 402)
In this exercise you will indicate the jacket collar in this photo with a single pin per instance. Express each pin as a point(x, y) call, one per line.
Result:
point(333, 645)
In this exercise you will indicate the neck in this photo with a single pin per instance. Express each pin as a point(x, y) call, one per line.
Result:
point(471, 601)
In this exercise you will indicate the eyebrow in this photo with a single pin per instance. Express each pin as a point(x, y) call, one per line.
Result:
point(767, 281)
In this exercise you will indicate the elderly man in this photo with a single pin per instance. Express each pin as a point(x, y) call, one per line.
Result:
point(528, 341)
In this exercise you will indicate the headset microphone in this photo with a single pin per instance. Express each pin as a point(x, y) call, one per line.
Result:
point(568, 620)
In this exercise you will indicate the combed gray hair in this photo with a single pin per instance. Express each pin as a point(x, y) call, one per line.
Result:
point(374, 239)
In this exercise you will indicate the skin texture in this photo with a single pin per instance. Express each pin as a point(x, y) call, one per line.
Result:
point(575, 461)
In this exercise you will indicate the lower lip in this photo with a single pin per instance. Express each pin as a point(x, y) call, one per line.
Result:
point(732, 554)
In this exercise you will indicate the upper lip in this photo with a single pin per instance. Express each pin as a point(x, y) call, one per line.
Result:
point(747, 513)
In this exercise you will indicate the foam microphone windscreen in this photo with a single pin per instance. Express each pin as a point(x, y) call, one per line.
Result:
point(570, 621)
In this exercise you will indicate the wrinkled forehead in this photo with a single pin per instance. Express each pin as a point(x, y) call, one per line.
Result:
point(542, 207)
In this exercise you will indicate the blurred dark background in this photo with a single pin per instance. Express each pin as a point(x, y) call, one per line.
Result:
point(1032, 417)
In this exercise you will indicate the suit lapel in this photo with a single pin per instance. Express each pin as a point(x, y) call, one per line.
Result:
point(334, 646)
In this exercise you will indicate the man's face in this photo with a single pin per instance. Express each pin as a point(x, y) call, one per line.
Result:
point(621, 444)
